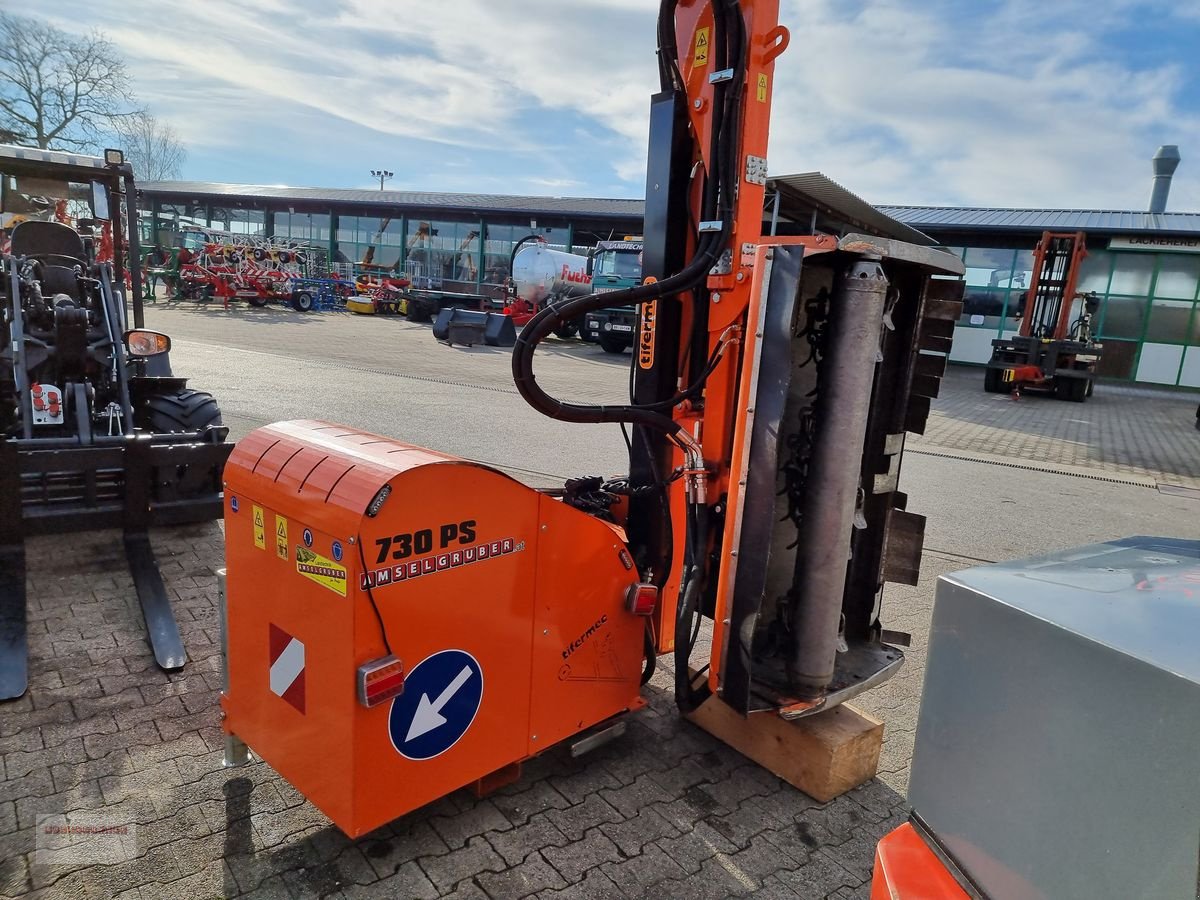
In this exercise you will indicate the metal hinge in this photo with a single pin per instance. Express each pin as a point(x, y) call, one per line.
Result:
point(756, 169)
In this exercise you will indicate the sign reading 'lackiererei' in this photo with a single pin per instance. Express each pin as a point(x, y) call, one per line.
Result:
point(1166, 242)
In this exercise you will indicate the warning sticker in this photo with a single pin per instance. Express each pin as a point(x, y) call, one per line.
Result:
point(281, 537)
point(762, 88)
point(324, 572)
point(260, 528)
point(700, 54)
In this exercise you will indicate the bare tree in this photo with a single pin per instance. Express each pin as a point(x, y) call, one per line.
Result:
point(57, 90)
point(152, 146)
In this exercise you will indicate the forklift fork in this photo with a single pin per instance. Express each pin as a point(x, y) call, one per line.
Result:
point(161, 628)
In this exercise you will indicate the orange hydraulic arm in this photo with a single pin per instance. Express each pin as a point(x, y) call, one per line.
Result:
point(715, 294)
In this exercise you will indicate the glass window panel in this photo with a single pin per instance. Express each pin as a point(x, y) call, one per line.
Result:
point(1093, 272)
point(443, 254)
point(1123, 317)
point(497, 249)
point(982, 307)
point(1178, 275)
point(1023, 269)
point(1169, 321)
point(1133, 273)
point(347, 229)
point(987, 267)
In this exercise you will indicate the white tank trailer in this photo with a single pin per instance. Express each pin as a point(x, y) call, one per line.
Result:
point(540, 274)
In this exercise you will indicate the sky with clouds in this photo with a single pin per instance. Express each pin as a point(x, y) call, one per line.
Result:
point(964, 102)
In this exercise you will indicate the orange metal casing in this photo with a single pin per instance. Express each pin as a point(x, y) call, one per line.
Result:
point(906, 869)
point(543, 614)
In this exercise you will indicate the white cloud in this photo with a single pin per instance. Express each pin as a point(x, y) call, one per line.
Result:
point(1005, 104)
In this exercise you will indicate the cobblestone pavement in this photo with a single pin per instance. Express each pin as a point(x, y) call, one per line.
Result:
point(1139, 433)
point(665, 811)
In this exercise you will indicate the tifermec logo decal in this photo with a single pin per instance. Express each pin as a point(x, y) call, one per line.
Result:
point(646, 335)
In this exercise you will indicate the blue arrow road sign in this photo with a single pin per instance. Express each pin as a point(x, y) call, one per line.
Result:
point(441, 697)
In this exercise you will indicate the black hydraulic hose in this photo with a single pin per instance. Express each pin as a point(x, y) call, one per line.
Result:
point(551, 317)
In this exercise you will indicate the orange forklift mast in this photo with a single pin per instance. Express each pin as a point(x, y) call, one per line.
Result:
point(401, 623)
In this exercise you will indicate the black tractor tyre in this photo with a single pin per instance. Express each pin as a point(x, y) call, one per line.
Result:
point(1072, 389)
point(612, 344)
point(185, 410)
point(991, 381)
point(259, 302)
point(567, 330)
point(303, 301)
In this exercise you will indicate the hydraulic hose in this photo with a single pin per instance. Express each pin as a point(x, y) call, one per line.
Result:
point(717, 202)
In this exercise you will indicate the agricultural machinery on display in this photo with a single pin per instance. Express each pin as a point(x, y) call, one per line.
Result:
point(98, 432)
point(206, 264)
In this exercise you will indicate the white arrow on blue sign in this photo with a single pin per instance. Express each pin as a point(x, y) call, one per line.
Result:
point(441, 697)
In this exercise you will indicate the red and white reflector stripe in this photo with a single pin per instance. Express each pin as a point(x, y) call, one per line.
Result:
point(287, 667)
point(380, 680)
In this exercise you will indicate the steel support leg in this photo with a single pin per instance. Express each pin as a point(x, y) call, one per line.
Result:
point(161, 627)
point(14, 652)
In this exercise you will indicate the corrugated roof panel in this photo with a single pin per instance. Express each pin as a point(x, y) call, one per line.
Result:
point(591, 206)
point(884, 219)
point(821, 191)
point(1103, 220)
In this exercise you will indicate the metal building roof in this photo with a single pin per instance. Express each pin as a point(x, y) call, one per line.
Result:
point(815, 191)
point(567, 206)
point(59, 157)
point(1091, 220)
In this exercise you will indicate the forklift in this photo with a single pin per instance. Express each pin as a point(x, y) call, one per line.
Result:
point(1052, 352)
point(399, 623)
point(96, 429)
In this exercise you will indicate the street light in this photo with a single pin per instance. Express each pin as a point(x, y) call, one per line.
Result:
point(382, 174)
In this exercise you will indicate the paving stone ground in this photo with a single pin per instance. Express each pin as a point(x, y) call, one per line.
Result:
point(665, 811)
point(1122, 430)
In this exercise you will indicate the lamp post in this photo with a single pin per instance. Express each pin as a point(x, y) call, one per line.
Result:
point(382, 174)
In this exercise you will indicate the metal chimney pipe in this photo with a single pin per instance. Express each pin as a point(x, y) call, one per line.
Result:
point(1165, 162)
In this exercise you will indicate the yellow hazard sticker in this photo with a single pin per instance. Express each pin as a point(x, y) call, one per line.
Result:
point(281, 537)
point(324, 572)
point(700, 54)
point(762, 87)
point(260, 529)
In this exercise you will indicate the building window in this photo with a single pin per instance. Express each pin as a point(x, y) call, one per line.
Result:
point(1094, 272)
point(1123, 318)
point(1178, 275)
point(1132, 273)
point(1169, 320)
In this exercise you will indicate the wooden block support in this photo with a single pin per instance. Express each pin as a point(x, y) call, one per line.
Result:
point(824, 755)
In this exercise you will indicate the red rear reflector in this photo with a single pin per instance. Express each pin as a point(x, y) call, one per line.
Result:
point(641, 599)
point(380, 680)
